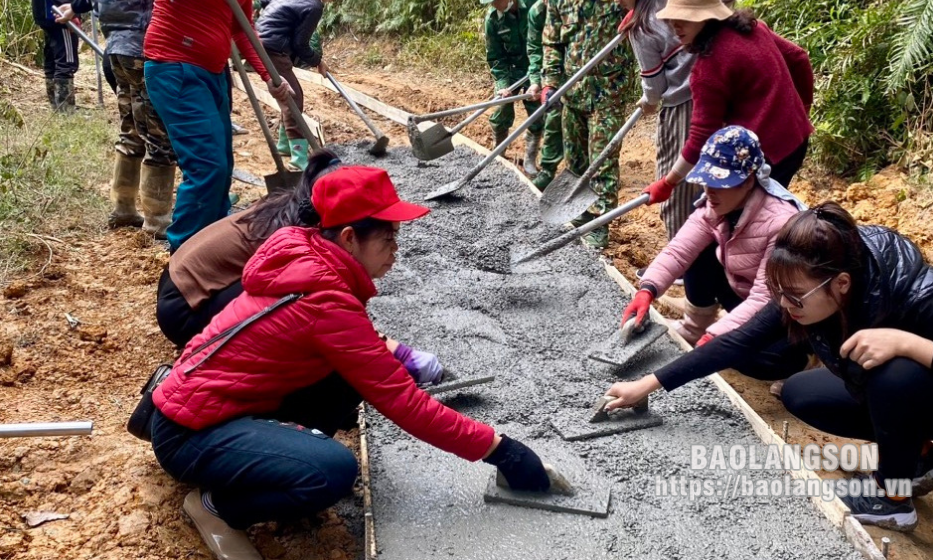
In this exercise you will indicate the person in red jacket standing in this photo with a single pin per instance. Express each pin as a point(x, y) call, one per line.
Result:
point(744, 75)
point(186, 49)
point(248, 417)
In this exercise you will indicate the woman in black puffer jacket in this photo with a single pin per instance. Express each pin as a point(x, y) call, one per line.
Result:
point(861, 299)
point(285, 29)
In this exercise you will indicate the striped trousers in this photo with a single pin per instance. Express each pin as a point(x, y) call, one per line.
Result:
point(60, 53)
point(673, 129)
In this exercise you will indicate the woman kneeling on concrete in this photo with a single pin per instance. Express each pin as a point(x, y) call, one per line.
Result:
point(861, 299)
point(722, 248)
point(248, 411)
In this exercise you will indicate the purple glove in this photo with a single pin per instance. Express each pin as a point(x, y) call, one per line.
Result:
point(423, 366)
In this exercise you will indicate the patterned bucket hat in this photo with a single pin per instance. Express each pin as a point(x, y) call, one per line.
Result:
point(728, 158)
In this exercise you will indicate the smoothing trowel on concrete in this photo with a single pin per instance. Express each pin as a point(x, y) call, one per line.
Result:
point(587, 495)
point(627, 342)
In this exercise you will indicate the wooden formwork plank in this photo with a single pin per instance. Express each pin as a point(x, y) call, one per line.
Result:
point(266, 98)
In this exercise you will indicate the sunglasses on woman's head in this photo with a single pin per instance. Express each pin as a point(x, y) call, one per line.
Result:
point(798, 301)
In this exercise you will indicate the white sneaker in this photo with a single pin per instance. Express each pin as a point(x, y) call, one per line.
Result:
point(225, 542)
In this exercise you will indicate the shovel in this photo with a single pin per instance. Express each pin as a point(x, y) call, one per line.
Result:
point(377, 149)
point(579, 232)
point(81, 34)
point(435, 140)
point(283, 179)
point(570, 195)
point(273, 73)
point(552, 102)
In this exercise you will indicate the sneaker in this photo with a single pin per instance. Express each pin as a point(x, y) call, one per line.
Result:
point(922, 483)
point(598, 238)
point(226, 543)
point(883, 512)
point(237, 129)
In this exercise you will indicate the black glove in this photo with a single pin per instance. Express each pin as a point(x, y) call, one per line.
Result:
point(520, 466)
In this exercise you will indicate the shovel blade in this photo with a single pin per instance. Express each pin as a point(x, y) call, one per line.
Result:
point(566, 198)
point(282, 181)
point(247, 177)
point(430, 143)
point(447, 189)
point(379, 148)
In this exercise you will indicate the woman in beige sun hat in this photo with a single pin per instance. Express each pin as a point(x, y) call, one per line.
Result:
point(744, 75)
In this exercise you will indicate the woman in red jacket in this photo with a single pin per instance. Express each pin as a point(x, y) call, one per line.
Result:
point(247, 412)
point(745, 75)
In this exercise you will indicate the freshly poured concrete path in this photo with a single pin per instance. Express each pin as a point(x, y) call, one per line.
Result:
point(451, 293)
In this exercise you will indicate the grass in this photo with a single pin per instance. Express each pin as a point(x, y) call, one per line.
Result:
point(50, 166)
point(459, 52)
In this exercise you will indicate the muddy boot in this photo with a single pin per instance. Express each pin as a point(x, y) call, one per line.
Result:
point(50, 91)
point(282, 146)
point(695, 322)
point(501, 135)
point(224, 541)
point(543, 179)
point(299, 151)
point(598, 238)
point(64, 95)
point(123, 192)
point(532, 143)
point(157, 185)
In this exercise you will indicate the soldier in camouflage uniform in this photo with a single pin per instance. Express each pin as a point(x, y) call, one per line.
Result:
point(574, 31)
point(507, 55)
point(552, 149)
point(145, 160)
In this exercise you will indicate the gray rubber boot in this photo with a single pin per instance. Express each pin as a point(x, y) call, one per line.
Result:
point(532, 144)
point(50, 91)
point(157, 187)
point(64, 95)
point(123, 192)
point(501, 135)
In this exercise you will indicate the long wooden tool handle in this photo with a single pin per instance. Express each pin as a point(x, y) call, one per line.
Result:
point(273, 73)
point(260, 116)
point(579, 232)
point(479, 107)
point(555, 98)
point(77, 31)
point(356, 108)
point(611, 148)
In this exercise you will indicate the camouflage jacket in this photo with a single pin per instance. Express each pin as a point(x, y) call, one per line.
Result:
point(537, 15)
point(574, 31)
point(123, 23)
point(505, 44)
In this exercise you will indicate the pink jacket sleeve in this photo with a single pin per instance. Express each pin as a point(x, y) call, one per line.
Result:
point(345, 336)
point(695, 235)
point(798, 63)
point(757, 298)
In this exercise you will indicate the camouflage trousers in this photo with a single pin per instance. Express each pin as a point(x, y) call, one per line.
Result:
point(552, 147)
point(586, 134)
point(142, 133)
point(504, 115)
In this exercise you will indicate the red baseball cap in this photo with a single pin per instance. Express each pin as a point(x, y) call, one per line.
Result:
point(354, 192)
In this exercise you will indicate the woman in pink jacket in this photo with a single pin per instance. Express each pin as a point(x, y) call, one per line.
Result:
point(722, 248)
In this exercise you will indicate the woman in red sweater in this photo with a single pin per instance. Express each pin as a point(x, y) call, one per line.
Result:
point(186, 49)
point(248, 411)
point(744, 75)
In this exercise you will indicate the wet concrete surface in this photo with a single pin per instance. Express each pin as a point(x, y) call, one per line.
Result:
point(451, 293)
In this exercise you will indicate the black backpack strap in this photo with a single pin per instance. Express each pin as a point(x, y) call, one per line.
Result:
point(225, 336)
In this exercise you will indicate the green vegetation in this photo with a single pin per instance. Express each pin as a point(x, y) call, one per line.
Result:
point(20, 39)
point(50, 167)
point(872, 61)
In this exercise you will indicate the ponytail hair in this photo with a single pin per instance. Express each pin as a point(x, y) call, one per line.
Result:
point(289, 207)
point(818, 243)
point(743, 21)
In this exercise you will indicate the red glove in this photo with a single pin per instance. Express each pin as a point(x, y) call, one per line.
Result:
point(626, 23)
point(659, 191)
point(639, 306)
point(546, 93)
point(704, 339)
